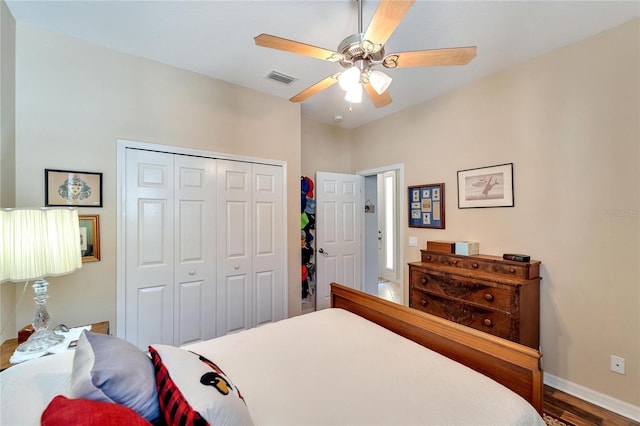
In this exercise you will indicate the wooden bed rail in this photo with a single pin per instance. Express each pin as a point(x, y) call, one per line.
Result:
point(511, 364)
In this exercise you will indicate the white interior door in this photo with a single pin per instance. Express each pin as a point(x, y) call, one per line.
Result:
point(195, 249)
point(149, 248)
point(268, 244)
point(234, 247)
point(170, 256)
point(338, 233)
point(251, 247)
point(201, 248)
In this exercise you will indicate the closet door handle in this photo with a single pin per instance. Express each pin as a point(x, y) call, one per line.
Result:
point(192, 272)
point(236, 267)
point(323, 252)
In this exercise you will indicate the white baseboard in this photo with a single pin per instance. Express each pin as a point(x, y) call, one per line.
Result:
point(612, 404)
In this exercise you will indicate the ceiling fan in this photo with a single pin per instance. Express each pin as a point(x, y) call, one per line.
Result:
point(360, 53)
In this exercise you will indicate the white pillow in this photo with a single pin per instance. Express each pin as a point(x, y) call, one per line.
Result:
point(109, 369)
point(192, 389)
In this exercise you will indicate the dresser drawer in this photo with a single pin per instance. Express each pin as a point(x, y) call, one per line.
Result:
point(464, 289)
point(486, 264)
point(497, 323)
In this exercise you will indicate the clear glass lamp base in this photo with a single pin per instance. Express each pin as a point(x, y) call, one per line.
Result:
point(43, 338)
point(40, 340)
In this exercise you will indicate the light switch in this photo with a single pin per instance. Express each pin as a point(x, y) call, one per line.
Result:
point(413, 241)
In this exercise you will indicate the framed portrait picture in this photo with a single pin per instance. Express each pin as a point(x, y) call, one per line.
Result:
point(426, 206)
point(73, 189)
point(90, 237)
point(486, 187)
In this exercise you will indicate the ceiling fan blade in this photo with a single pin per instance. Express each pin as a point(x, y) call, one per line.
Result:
point(427, 58)
point(378, 100)
point(316, 88)
point(274, 42)
point(385, 20)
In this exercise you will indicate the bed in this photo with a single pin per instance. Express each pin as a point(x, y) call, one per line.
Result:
point(361, 362)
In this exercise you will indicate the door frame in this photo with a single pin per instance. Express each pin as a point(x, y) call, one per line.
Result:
point(121, 146)
point(399, 169)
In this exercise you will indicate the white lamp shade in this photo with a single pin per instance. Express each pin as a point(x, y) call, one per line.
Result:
point(349, 78)
point(354, 94)
point(36, 243)
point(379, 81)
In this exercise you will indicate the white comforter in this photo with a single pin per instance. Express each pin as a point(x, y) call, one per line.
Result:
point(326, 368)
point(332, 367)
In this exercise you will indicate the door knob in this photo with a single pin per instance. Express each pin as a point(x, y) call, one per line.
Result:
point(236, 267)
point(323, 252)
point(192, 272)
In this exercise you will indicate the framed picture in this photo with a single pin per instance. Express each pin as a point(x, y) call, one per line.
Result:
point(90, 237)
point(486, 187)
point(75, 189)
point(426, 206)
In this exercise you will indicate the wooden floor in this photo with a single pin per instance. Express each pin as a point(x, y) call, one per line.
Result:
point(579, 412)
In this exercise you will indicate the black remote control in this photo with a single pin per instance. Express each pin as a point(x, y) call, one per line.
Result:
point(516, 257)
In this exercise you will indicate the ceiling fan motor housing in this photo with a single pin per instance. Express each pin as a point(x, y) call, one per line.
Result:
point(355, 48)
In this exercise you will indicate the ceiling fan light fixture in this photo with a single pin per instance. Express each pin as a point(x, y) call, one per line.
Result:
point(354, 94)
point(379, 81)
point(349, 78)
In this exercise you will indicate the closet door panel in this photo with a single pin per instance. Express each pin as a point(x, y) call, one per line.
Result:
point(265, 294)
point(151, 309)
point(234, 232)
point(190, 327)
point(191, 236)
point(268, 244)
point(149, 244)
point(237, 230)
point(195, 248)
point(235, 291)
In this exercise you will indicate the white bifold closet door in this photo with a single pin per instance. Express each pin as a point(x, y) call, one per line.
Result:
point(170, 248)
point(204, 249)
point(250, 245)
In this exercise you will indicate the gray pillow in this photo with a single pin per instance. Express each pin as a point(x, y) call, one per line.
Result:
point(109, 369)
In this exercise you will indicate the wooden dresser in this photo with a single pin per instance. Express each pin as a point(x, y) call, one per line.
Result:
point(487, 293)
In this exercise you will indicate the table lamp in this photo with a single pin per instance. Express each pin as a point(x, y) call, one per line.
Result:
point(36, 243)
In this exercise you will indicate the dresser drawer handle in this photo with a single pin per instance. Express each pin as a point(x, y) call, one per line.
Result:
point(423, 280)
point(488, 322)
point(428, 257)
point(423, 302)
point(488, 297)
point(475, 265)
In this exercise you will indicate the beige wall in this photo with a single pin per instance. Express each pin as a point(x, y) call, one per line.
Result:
point(569, 121)
point(74, 100)
point(7, 148)
point(324, 149)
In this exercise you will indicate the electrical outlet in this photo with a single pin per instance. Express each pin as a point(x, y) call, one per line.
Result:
point(413, 241)
point(617, 364)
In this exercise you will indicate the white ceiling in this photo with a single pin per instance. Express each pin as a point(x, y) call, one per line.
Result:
point(215, 38)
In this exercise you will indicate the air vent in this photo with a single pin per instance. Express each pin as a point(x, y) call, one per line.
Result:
point(280, 77)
